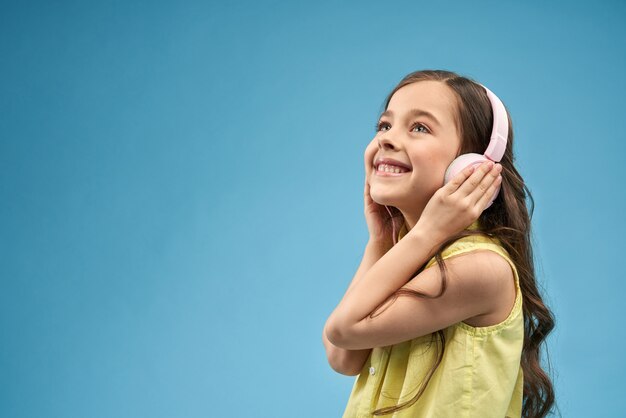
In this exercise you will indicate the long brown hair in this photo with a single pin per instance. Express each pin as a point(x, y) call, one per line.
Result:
point(508, 219)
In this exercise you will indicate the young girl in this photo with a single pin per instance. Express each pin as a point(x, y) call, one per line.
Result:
point(464, 339)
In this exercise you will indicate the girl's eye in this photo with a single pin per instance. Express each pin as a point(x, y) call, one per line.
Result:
point(417, 125)
point(379, 126)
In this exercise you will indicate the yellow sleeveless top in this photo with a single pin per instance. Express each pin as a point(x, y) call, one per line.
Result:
point(480, 375)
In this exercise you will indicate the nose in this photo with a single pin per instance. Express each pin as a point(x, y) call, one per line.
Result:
point(385, 142)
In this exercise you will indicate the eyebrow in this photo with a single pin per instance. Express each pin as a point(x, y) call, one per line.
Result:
point(414, 112)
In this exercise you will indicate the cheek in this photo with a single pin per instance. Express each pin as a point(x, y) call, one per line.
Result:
point(440, 161)
point(430, 161)
point(434, 163)
point(431, 171)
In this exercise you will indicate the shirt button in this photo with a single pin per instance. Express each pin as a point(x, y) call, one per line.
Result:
point(372, 370)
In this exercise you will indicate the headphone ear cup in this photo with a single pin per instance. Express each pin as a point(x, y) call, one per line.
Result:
point(461, 162)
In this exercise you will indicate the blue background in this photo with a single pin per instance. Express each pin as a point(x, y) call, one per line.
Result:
point(181, 192)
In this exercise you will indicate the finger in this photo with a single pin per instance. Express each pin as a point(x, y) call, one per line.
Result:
point(486, 198)
point(371, 149)
point(366, 191)
point(474, 180)
point(485, 183)
point(460, 178)
point(369, 157)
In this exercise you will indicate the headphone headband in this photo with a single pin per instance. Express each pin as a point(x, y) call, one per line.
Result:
point(500, 131)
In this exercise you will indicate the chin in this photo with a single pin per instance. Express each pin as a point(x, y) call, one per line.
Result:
point(383, 198)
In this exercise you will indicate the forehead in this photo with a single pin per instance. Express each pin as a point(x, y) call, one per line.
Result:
point(432, 96)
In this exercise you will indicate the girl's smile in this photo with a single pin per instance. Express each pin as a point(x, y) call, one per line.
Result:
point(388, 167)
point(384, 170)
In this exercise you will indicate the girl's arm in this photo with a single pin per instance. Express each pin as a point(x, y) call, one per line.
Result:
point(475, 285)
point(387, 274)
point(344, 361)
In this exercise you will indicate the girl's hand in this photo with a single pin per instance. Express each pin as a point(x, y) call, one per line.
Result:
point(376, 216)
point(459, 202)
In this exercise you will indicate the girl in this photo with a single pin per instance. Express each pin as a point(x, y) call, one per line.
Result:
point(466, 340)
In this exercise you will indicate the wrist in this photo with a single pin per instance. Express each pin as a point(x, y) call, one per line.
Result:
point(426, 236)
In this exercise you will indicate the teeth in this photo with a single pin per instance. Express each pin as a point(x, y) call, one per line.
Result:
point(391, 169)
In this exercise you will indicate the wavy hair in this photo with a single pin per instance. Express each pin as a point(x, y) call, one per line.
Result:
point(509, 220)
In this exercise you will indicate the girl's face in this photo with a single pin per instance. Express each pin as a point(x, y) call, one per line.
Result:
point(425, 143)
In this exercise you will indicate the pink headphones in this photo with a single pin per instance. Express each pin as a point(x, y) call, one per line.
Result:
point(495, 149)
